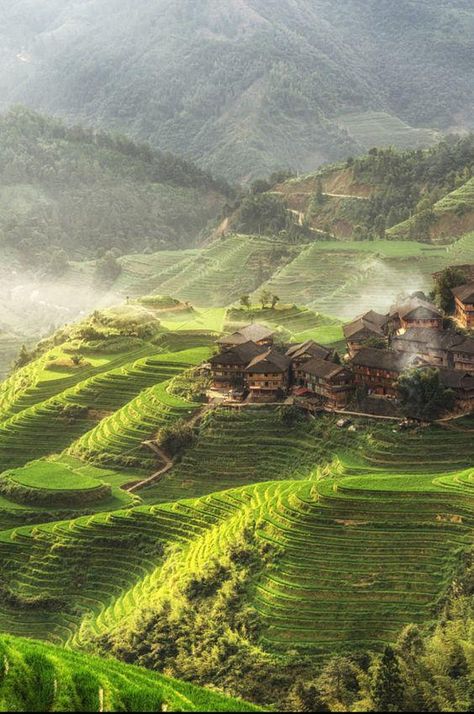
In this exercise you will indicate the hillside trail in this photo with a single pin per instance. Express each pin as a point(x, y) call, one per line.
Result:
point(169, 463)
point(346, 195)
point(301, 217)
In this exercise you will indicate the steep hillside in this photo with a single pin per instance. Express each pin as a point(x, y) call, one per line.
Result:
point(71, 202)
point(74, 194)
point(37, 677)
point(412, 195)
point(244, 87)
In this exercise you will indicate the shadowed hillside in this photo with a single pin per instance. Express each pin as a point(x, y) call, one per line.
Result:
point(244, 87)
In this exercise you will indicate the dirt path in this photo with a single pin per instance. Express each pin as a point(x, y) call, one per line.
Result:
point(168, 462)
point(346, 195)
point(158, 475)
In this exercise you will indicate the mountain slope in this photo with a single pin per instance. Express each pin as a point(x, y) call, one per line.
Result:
point(83, 192)
point(246, 86)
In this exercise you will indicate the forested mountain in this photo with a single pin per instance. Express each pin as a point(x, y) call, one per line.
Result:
point(70, 193)
point(246, 86)
point(425, 196)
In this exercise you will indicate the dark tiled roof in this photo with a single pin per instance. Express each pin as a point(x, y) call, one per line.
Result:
point(311, 348)
point(380, 359)
point(238, 355)
point(250, 333)
point(456, 379)
point(416, 309)
point(270, 361)
point(465, 293)
point(464, 347)
point(322, 368)
point(429, 338)
point(417, 338)
point(370, 324)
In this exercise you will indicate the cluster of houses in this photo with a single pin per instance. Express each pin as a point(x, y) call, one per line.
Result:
point(379, 349)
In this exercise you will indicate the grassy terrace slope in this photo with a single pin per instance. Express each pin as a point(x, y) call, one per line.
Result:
point(344, 278)
point(337, 278)
point(367, 542)
point(38, 677)
point(210, 277)
point(50, 425)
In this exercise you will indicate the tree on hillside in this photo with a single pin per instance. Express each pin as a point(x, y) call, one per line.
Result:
point(245, 301)
point(450, 278)
point(379, 227)
point(387, 685)
point(305, 697)
point(107, 270)
point(24, 358)
point(319, 197)
point(423, 395)
point(262, 213)
point(58, 264)
point(265, 298)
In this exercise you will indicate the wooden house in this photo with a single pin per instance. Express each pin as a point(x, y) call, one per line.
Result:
point(378, 370)
point(370, 326)
point(462, 384)
point(464, 302)
point(462, 355)
point(259, 334)
point(434, 346)
point(268, 375)
point(333, 383)
point(440, 348)
point(299, 354)
point(228, 367)
point(415, 313)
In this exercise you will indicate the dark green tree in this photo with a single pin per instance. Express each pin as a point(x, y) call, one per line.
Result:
point(450, 278)
point(305, 697)
point(387, 686)
point(423, 395)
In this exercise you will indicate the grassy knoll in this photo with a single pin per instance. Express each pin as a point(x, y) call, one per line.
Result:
point(38, 677)
point(296, 324)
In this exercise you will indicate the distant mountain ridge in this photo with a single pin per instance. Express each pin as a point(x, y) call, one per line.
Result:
point(247, 86)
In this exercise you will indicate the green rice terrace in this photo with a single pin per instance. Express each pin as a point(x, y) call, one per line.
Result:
point(366, 527)
point(38, 677)
point(339, 278)
point(367, 540)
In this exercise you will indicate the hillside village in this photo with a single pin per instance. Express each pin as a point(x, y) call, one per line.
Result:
point(252, 365)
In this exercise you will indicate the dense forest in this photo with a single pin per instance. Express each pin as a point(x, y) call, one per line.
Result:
point(246, 86)
point(69, 192)
point(410, 183)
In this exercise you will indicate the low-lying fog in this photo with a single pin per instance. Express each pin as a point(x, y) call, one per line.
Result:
point(31, 309)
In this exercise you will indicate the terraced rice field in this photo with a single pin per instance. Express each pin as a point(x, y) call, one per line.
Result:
point(118, 439)
point(369, 541)
point(343, 279)
point(210, 277)
point(48, 425)
point(298, 324)
point(381, 129)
